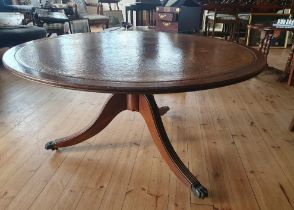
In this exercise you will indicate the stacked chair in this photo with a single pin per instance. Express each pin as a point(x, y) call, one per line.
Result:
point(234, 14)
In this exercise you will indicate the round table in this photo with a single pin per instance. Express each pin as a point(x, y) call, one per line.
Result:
point(134, 66)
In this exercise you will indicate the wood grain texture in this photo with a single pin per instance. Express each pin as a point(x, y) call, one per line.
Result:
point(234, 139)
point(134, 62)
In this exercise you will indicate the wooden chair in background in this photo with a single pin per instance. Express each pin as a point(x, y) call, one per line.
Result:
point(226, 13)
point(109, 2)
point(265, 41)
point(265, 44)
point(82, 13)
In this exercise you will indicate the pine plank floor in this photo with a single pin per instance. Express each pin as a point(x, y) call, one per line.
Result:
point(235, 139)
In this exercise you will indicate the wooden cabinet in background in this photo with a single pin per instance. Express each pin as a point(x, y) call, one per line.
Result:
point(178, 19)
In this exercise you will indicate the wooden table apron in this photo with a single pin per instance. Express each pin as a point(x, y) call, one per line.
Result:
point(134, 66)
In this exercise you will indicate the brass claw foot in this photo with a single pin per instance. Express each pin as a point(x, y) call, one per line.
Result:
point(51, 145)
point(163, 110)
point(199, 191)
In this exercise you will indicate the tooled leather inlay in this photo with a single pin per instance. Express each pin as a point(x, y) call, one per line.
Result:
point(134, 57)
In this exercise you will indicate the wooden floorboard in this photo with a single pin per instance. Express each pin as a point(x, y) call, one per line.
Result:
point(234, 139)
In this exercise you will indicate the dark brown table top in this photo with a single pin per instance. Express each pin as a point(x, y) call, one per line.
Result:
point(134, 62)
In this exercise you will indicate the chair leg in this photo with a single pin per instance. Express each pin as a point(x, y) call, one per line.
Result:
point(238, 29)
point(213, 29)
point(206, 26)
point(225, 30)
point(208, 29)
point(100, 9)
point(234, 31)
point(231, 33)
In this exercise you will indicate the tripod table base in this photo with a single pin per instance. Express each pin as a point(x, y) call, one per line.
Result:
point(146, 105)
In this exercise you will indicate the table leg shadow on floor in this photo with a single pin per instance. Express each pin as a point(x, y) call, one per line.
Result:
point(147, 107)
